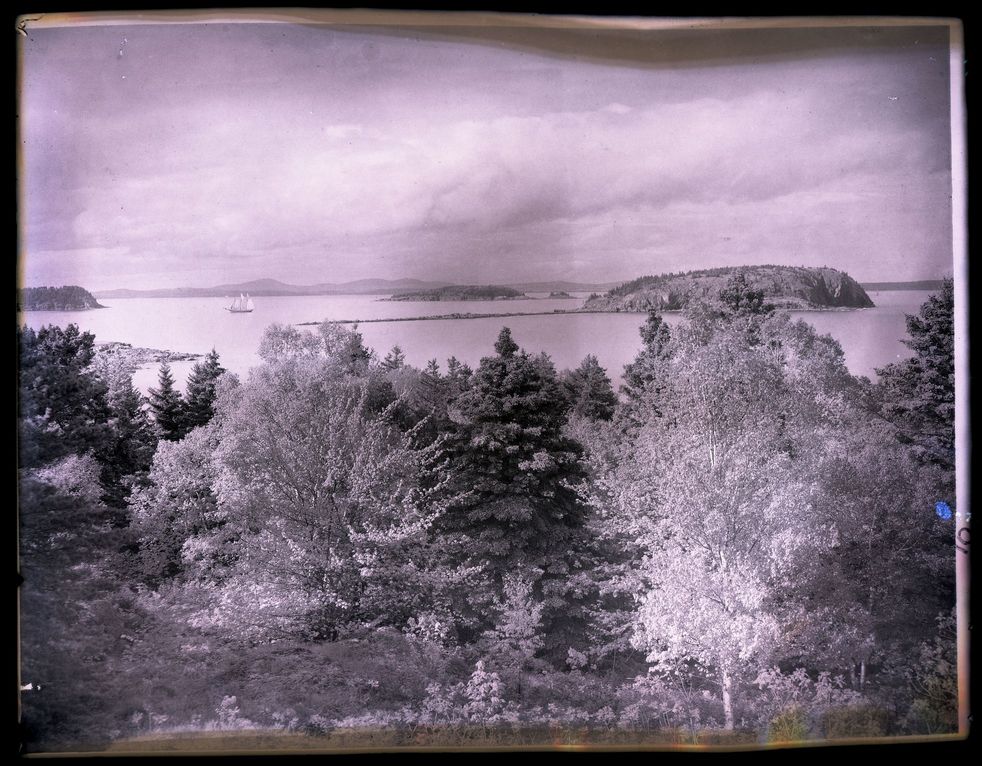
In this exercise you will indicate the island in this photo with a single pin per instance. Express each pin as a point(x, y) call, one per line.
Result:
point(787, 287)
point(559, 294)
point(461, 293)
point(65, 298)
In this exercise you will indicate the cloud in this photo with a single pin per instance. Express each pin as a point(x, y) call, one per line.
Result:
point(199, 182)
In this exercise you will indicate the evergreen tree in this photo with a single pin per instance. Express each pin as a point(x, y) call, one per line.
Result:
point(514, 460)
point(200, 402)
point(740, 299)
point(917, 395)
point(130, 452)
point(394, 359)
point(458, 377)
point(62, 402)
point(645, 376)
point(589, 391)
point(431, 397)
point(167, 406)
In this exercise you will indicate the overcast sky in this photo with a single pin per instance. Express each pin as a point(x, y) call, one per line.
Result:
point(170, 155)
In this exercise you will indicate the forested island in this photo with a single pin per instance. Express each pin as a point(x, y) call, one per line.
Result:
point(791, 287)
point(745, 544)
point(66, 298)
point(460, 293)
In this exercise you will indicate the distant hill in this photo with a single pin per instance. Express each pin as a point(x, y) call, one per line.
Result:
point(460, 293)
point(784, 286)
point(66, 298)
point(273, 287)
point(924, 284)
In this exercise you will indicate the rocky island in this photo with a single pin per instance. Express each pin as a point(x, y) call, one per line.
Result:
point(788, 287)
point(65, 298)
point(461, 293)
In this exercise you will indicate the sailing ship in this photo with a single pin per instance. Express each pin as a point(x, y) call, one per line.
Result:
point(241, 305)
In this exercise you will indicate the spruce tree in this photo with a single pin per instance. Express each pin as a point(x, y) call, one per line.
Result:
point(589, 391)
point(62, 402)
point(514, 460)
point(394, 359)
point(200, 401)
point(167, 406)
point(458, 377)
point(917, 395)
point(644, 377)
point(130, 453)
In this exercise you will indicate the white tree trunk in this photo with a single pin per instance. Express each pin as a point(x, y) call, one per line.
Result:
point(727, 700)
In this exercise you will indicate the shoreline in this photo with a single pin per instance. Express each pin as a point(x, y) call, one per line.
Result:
point(21, 310)
point(138, 357)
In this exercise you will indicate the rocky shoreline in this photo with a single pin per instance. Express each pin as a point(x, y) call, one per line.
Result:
point(136, 356)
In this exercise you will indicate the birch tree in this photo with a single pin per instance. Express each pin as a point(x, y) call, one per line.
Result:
point(726, 515)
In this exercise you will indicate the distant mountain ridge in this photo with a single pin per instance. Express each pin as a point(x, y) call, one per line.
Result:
point(273, 287)
point(795, 287)
point(65, 298)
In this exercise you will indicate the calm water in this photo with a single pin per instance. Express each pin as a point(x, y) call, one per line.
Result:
point(870, 338)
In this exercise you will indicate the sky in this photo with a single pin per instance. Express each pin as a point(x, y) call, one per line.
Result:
point(172, 155)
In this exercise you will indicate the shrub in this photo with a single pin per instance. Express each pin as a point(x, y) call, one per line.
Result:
point(855, 721)
point(790, 725)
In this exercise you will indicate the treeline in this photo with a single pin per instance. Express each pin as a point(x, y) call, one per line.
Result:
point(741, 547)
point(67, 298)
point(459, 293)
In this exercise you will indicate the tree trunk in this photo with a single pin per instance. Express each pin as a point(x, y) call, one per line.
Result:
point(727, 700)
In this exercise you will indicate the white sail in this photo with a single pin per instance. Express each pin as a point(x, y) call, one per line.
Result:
point(241, 305)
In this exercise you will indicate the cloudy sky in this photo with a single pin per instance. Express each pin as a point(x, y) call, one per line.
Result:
point(169, 155)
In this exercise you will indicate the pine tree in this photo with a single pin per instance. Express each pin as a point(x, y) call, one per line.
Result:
point(167, 406)
point(200, 401)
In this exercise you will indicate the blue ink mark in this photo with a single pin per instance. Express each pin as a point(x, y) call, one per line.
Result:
point(942, 509)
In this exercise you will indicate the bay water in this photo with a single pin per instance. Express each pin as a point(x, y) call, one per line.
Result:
point(870, 338)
